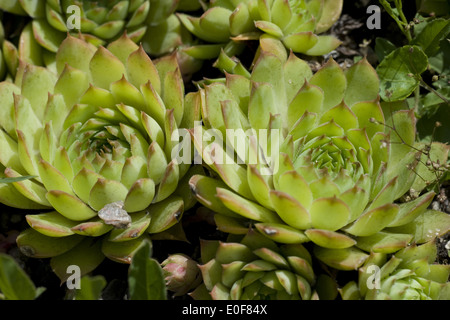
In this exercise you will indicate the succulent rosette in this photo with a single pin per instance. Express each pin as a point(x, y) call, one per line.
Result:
point(226, 25)
point(308, 157)
point(96, 139)
point(410, 274)
point(181, 274)
point(254, 267)
point(98, 22)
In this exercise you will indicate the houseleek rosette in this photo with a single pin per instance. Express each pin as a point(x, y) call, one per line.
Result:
point(311, 158)
point(98, 22)
point(255, 268)
point(181, 274)
point(410, 274)
point(226, 25)
point(97, 140)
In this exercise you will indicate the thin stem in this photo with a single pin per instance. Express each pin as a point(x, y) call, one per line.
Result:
point(426, 86)
point(416, 99)
point(414, 170)
point(399, 5)
point(403, 23)
point(400, 137)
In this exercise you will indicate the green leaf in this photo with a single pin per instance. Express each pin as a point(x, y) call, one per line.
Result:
point(426, 227)
point(14, 282)
point(440, 62)
point(300, 42)
point(342, 259)
point(362, 83)
point(383, 47)
point(331, 79)
point(87, 255)
point(431, 35)
point(399, 72)
point(326, 287)
point(321, 217)
point(46, 35)
point(9, 180)
point(90, 288)
point(431, 101)
point(145, 277)
point(325, 44)
point(270, 28)
point(426, 126)
point(282, 233)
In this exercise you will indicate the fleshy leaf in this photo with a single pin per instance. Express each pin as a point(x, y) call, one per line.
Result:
point(245, 207)
point(281, 233)
point(329, 214)
point(329, 239)
point(341, 259)
point(290, 210)
point(51, 224)
point(35, 244)
point(373, 221)
point(87, 256)
point(384, 242)
point(362, 83)
point(425, 227)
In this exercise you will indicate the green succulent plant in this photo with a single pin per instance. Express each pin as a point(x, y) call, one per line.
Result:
point(96, 137)
point(316, 159)
point(181, 274)
point(254, 267)
point(410, 274)
point(226, 25)
point(98, 22)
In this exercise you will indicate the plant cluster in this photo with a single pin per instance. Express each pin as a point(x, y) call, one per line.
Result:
point(319, 184)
